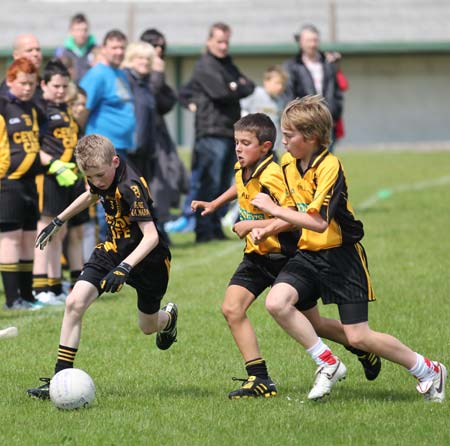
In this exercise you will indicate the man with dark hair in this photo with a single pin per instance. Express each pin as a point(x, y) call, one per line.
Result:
point(78, 46)
point(213, 94)
point(310, 72)
point(110, 107)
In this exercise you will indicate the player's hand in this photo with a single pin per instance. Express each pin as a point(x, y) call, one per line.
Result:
point(258, 235)
point(115, 279)
point(207, 206)
point(265, 203)
point(45, 236)
point(63, 172)
point(242, 228)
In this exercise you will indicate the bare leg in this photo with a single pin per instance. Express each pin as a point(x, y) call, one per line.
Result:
point(151, 323)
point(234, 308)
point(75, 248)
point(78, 301)
point(280, 304)
point(326, 328)
point(362, 337)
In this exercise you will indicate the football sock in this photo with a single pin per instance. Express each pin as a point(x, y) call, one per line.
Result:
point(424, 370)
point(40, 283)
point(321, 354)
point(73, 277)
point(257, 367)
point(55, 285)
point(66, 357)
point(10, 277)
point(26, 280)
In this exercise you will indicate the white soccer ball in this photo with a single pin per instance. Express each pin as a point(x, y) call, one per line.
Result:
point(71, 389)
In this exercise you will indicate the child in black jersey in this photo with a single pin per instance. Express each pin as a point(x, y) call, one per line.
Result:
point(19, 164)
point(133, 252)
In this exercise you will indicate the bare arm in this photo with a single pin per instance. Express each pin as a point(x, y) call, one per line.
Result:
point(312, 221)
point(266, 228)
point(212, 206)
point(149, 241)
point(79, 204)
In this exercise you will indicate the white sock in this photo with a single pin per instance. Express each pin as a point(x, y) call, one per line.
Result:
point(321, 354)
point(424, 370)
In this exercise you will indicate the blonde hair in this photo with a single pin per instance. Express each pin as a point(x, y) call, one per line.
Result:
point(311, 117)
point(276, 70)
point(138, 49)
point(93, 151)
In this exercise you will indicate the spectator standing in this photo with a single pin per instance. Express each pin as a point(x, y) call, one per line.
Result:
point(169, 179)
point(27, 45)
point(310, 73)
point(109, 108)
point(216, 86)
point(137, 66)
point(78, 46)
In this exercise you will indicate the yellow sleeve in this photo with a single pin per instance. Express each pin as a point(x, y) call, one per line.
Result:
point(273, 180)
point(5, 153)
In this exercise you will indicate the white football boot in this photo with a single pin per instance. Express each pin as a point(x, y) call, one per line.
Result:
point(326, 376)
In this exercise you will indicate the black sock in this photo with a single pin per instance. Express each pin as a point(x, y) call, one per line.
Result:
point(55, 285)
point(40, 283)
point(10, 277)
point(257, 367)
point(66, 357)
point(73, 277)
point(26, 280)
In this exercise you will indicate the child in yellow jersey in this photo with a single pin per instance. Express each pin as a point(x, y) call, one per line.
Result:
point(330, 262)
point(256, 172)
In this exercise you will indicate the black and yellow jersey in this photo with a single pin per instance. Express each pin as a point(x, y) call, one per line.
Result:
point(322, 188)
point(19, 139)
point(127, 202)
point(60, 133)
point(267, 178)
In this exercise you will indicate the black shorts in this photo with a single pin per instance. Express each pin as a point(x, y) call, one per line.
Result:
point(19, 203)
point(149, 278)
point(337, 275)
point(257, 272)
point(82, 217)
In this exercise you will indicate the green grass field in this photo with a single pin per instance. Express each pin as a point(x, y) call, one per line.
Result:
point(179, 397)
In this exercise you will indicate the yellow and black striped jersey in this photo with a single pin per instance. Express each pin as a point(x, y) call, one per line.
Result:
point(322, 188)
point(19, 139)
point(59, 135)
point(267, 178)
point(126, 202)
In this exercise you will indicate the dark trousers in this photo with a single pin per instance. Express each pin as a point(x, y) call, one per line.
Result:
point(214, 162)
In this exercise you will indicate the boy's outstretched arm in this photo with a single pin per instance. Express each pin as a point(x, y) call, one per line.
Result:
point(116, 278)
point(212, 206)
point(272, 226)
point(312, 220)
point(275, 226)
point(79, 204)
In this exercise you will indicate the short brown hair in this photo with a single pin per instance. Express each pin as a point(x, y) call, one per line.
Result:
point(219, 25)
point(93, 151)
point(259, 124)
point(311, 117)
point(114, 34)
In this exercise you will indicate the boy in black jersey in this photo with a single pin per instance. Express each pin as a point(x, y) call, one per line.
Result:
point(19, 164)
point(59, 137)
point(330, 261)
point(133, 252)
point(256, 172)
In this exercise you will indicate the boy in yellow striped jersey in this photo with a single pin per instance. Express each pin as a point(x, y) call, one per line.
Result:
point(256, 172)
point(330, 261)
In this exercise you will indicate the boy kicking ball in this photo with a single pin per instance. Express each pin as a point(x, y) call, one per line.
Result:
point(133, 252)
point(330, 261)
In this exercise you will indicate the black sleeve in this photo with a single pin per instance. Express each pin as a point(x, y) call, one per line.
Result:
point(165, 96)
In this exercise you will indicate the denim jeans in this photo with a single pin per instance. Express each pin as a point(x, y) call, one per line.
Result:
point(214, 161)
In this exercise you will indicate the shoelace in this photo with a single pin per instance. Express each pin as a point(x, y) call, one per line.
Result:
point(45, 380)
point(239, 379)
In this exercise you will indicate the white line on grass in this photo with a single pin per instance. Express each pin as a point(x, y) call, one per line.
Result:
point(383, 194)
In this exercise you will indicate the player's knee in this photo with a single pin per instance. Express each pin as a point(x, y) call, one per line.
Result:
point(75, 307)
point(147, 329)
point(232, 312)
point(275, 306)
point(356, 339)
